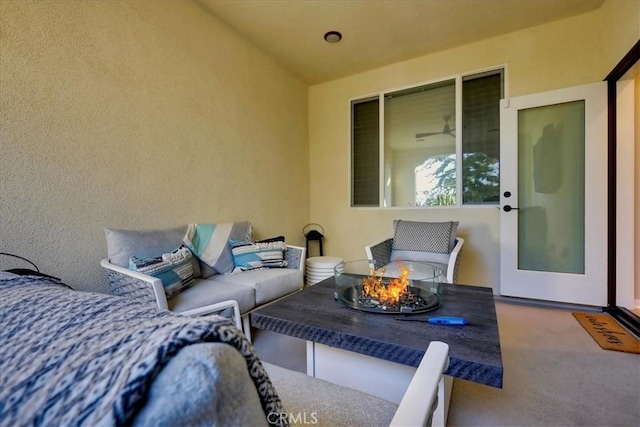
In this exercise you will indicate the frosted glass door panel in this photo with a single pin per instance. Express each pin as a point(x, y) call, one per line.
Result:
point(553, 195)
point(551, 198)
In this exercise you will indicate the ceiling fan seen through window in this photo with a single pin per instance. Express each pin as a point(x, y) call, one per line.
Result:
point(447, 130)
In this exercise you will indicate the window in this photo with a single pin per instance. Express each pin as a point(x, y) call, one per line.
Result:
point(406, 150)
point(365, 141)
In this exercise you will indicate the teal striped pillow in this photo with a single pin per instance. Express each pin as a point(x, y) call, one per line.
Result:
point(250, 256)
point(210, 242)
point(174, 269)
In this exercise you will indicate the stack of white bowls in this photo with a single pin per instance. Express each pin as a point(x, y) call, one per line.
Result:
point(320, 268)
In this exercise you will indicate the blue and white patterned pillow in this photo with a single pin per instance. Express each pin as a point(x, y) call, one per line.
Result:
point(174, 269)
point(250, 256)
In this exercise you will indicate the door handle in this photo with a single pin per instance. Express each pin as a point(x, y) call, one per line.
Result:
point(508, 208)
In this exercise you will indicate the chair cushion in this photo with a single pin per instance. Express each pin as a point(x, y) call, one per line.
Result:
point(393, 266)
point(327, 404)
point(204, 384)
point(430, 257)
point(174, 269)
point(122, 244)
point(438, 237)
point(210, 242)
point(209, 291)
point(269, 283)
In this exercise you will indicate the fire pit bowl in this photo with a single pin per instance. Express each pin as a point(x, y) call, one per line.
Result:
point(404, 287)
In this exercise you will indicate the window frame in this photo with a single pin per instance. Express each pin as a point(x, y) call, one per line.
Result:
point(459, 79)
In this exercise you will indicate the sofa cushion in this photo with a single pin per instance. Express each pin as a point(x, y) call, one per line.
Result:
point(249, 256)
point(208, 291)
point(122, 244)
point(437, 237)
point(210, 242)
point(269, 283)
point(174, 269)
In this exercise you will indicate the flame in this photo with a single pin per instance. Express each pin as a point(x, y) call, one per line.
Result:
point(390, 293)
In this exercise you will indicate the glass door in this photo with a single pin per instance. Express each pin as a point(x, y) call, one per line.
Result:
point(553, 196)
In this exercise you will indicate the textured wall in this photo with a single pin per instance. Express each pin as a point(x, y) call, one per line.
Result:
point(574, 51)
point(137, 115)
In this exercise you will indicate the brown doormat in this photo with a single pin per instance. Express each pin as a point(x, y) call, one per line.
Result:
point(608, 333)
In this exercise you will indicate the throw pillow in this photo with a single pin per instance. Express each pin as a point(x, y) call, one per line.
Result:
point(250, 256)
point(210, 242)
point(122, 244)
point(174, 269)
point(271, 239)
point(437, 237)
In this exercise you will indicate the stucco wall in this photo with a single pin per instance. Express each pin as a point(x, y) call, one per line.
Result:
point(139, 115)
point(570, 52)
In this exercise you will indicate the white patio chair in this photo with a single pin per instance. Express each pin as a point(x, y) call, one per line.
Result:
point(432, 242)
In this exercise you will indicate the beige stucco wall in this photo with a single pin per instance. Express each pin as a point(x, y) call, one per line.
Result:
point(574, 51)
point(139, 115)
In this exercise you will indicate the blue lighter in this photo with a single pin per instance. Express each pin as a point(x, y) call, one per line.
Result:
point(437, 320)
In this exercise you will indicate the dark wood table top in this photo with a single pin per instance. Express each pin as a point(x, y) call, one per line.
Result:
point(474, 349)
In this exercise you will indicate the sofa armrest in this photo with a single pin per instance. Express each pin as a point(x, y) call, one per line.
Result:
point(217, 308)
point(454, 261)
point(295, 257)
point(421, 398)
point(380, 252)
point(132, 284)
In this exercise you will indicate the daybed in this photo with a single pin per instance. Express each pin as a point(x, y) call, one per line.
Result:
point(80, 358)
point(215, 281)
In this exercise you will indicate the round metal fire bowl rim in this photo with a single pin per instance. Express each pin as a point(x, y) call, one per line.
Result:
point(437, 275)
point(430, 306)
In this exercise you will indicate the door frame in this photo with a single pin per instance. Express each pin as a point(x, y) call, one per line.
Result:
point(623, 315)
point(589, 286)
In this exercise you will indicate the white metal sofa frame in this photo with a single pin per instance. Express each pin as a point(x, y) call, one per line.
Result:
point(135, 285)
point(381, 253)
point(144, 288)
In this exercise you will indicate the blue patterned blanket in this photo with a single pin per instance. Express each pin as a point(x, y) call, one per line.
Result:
point(77, 358)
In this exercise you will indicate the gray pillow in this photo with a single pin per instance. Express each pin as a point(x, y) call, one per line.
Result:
point(122, 244)
point(437, 237)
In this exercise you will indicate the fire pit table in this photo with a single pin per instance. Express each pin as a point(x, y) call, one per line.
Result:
point(378, 354)
point(404, 287)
